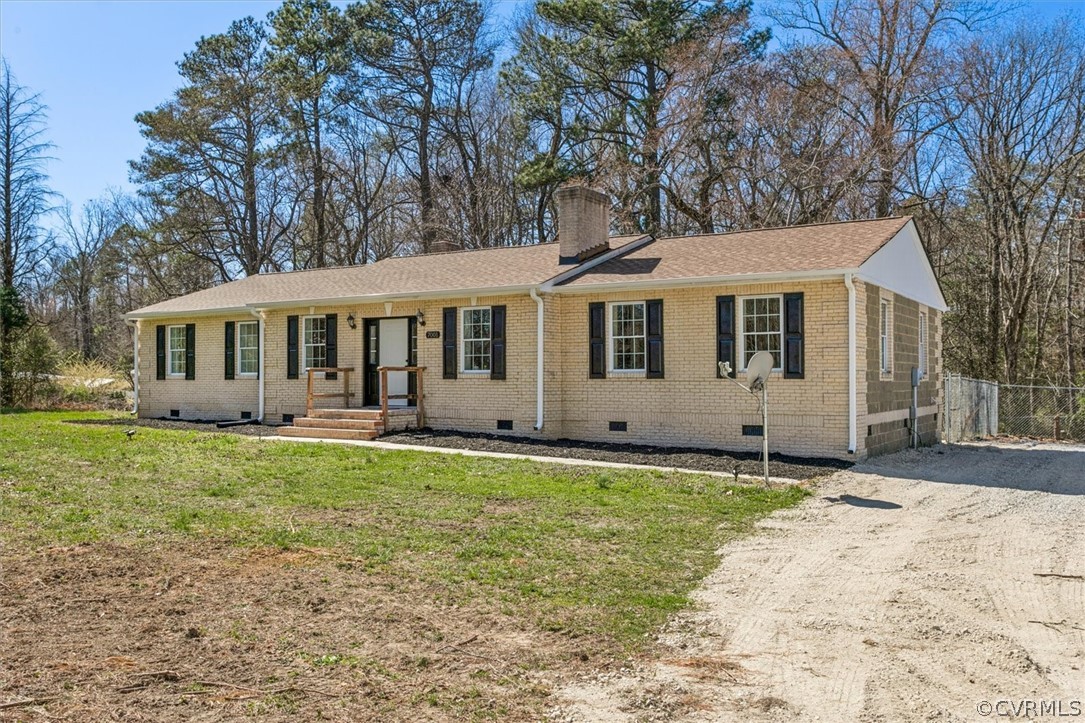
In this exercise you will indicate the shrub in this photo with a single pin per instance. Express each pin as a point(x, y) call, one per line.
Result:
point(92, 384)
point(35, 359)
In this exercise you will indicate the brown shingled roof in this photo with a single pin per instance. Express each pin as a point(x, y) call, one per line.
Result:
point(792, 249)
point(453, 272)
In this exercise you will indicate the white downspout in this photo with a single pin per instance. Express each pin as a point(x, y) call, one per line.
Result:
point(261, 316)
point(850, 283)
point(133, 324)
point(538, 359)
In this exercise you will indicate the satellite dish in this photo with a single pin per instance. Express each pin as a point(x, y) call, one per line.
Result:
point(758, 369)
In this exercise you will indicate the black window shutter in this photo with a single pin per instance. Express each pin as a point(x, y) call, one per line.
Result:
point(725, 334)
point(793, 336)
point(160, 352)
point(291, 347)
point(654, 311)
point(331, 340)
point(497, 342)
point(412, 358)
point(229, 346)
point(597, 343)
point(190, 351)
point(450, 342)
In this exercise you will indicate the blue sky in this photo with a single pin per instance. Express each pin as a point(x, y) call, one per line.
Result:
point(97, 64)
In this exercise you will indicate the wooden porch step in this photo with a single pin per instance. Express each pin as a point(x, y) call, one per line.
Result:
point(370, 414)
point(339, 423)
point(323, 433)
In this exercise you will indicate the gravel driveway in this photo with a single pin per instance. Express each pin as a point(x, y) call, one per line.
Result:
point(913, 587)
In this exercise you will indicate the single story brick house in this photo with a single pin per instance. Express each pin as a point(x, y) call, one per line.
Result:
point(594, 337)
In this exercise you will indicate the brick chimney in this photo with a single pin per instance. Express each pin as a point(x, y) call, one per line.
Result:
point(583, 223)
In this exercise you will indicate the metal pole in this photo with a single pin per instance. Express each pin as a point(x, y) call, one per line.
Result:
point(765, 430)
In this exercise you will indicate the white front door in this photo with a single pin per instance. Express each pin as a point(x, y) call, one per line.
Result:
point(393, 353)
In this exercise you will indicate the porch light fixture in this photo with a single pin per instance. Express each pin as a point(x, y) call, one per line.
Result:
point(421, 316)
point(350, 321)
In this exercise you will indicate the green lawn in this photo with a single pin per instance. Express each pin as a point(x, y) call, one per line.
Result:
point(577, 550)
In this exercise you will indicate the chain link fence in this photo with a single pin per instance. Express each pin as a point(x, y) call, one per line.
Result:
point(1044, 412)
point(975, 409)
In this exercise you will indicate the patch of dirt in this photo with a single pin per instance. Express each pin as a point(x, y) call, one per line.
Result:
point(187, 632)
point(747, 463)
point(910, 588)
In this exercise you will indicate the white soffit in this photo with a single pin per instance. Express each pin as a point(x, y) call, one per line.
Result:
point(901, 265)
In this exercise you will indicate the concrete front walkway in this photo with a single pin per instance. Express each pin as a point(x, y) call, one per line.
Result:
point(532, 457)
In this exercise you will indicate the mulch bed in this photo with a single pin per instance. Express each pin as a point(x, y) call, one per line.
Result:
point(747, 463)
point(710, 460)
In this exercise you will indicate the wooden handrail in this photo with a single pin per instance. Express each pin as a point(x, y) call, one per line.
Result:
point(418, 396)
point(310, 395)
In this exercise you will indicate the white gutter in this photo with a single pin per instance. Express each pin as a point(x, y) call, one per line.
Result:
point(134, 326)
point(377, 298)
point(539, 359)
point(261, 315)
point(727, 280)
point(221, 311)
point(852, 442)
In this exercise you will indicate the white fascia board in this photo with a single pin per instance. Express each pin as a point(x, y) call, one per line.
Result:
point(225, 311)
point(902, 266)
point(377, 298)
point(339, 301)
point(731, 280)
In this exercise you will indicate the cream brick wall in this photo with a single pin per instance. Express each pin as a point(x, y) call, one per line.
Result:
point(210, 395)
point(470, 402)
point(690, 406)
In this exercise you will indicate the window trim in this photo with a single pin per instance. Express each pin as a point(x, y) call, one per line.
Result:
point(741, 323)
point(921, 349)
point(170, 349)
point(305, 346)
point(643, 371)
point(462, 341)
point(885, 348)
point(239, 361)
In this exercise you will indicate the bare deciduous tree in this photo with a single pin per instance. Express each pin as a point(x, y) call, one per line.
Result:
point(1019, 120)
point(24, 198)
point(79, 269)
point(895, 52)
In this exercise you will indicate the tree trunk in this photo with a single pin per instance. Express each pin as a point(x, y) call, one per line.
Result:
point(425, 179)
point(7, 261)
point(994, 302)
point(253, 254)
point(651, 152)
point(318, 188)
